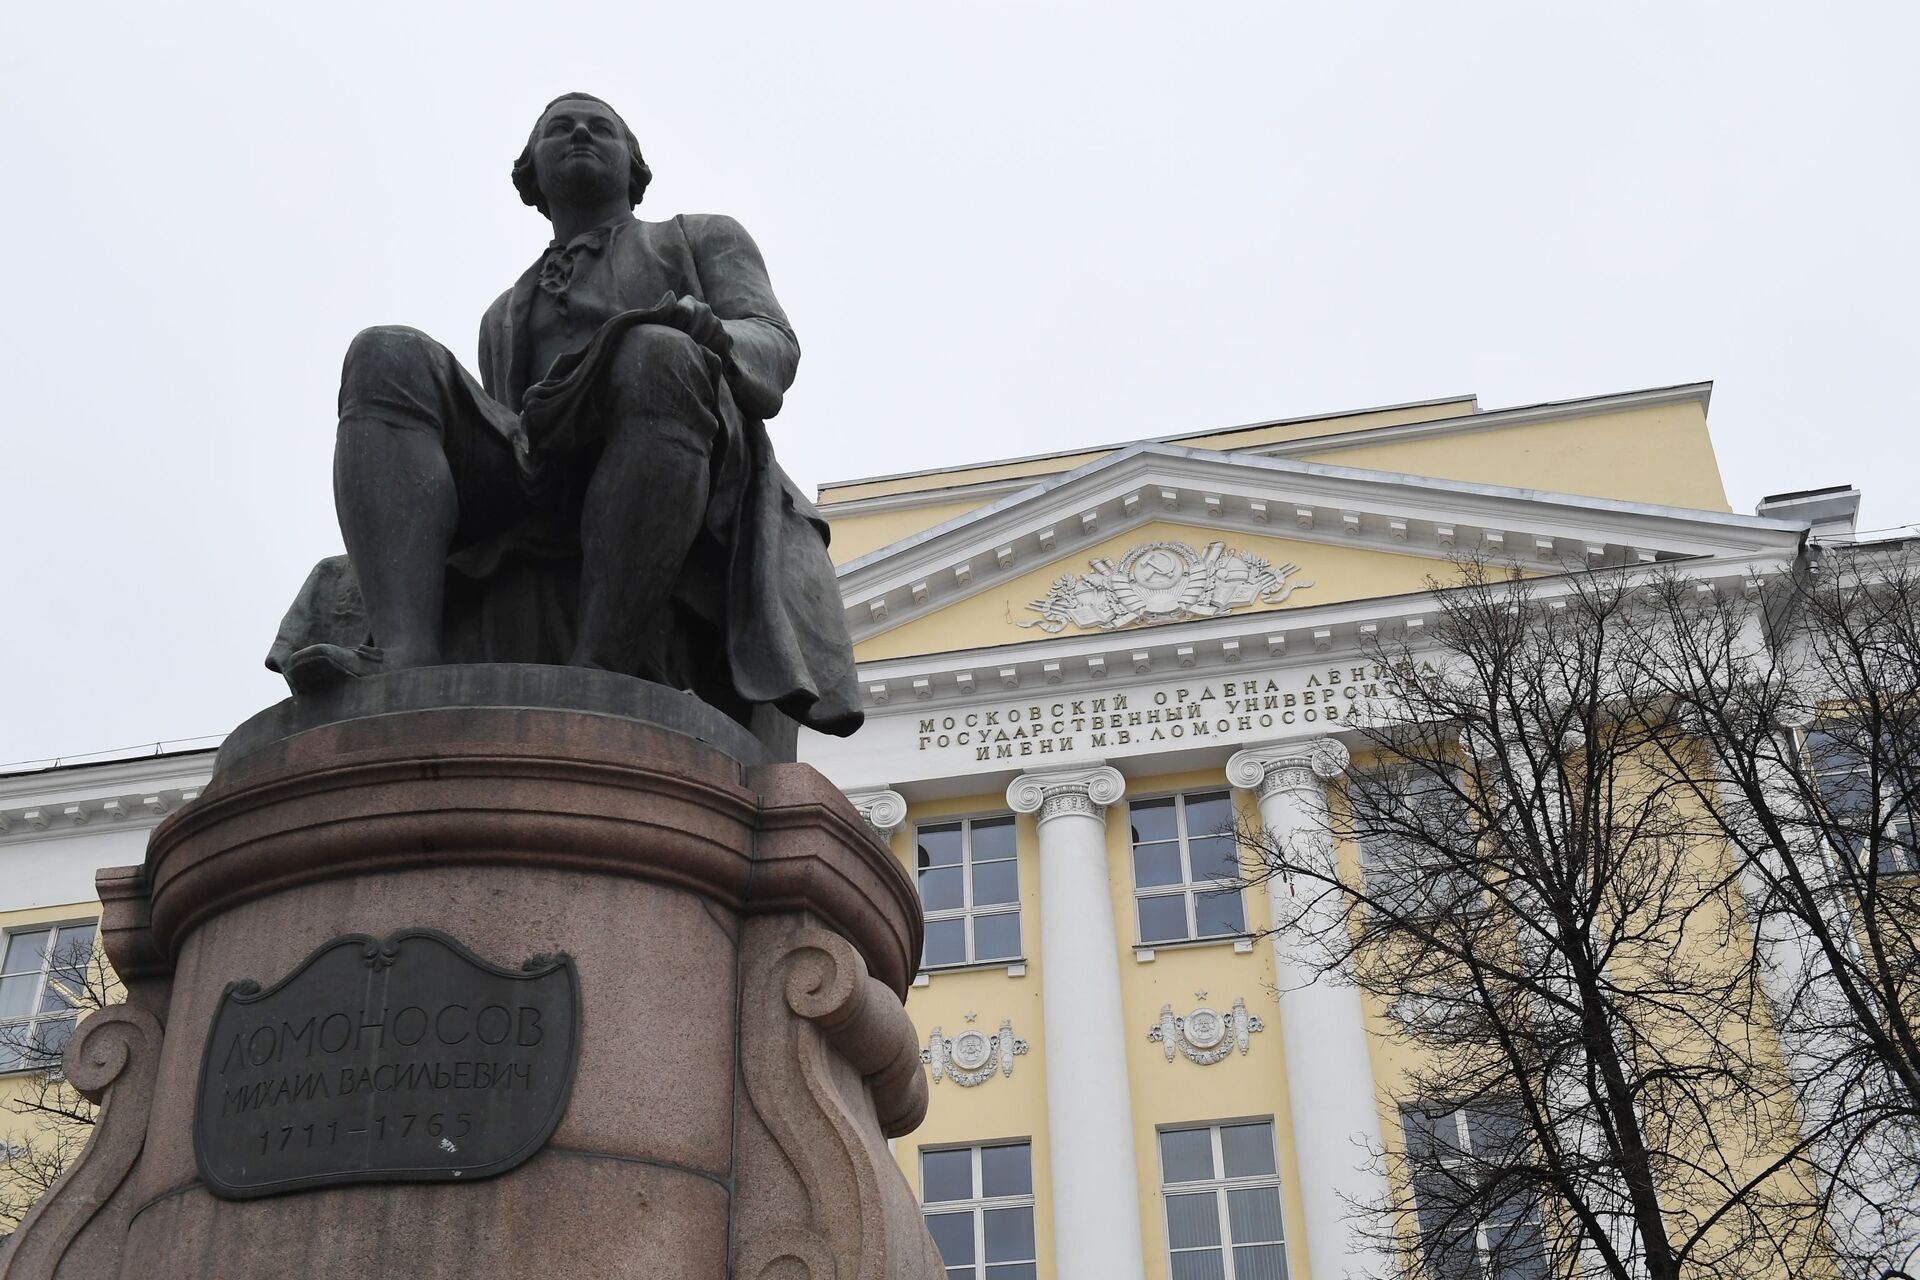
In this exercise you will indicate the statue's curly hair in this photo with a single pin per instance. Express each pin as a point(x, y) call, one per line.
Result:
point(524, 181)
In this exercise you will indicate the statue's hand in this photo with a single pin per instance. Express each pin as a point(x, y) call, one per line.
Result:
point(696, 319)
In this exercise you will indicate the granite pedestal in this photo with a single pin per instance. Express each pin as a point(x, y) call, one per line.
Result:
point(742, 943)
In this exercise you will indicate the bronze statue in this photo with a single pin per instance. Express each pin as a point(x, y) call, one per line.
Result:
point(605, 495)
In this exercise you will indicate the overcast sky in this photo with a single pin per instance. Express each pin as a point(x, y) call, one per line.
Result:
point(998, 228)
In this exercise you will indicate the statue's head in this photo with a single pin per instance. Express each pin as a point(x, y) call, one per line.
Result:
point(580, 152)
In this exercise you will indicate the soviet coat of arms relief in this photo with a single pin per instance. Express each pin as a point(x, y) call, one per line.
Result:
point(1162, 582)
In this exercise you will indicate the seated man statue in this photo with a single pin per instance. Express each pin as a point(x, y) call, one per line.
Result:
point(605, 495)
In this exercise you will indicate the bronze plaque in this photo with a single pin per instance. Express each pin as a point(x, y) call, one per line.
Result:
point(403, 1059)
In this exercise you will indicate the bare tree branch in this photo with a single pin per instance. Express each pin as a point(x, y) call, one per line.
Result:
point(1552, 915)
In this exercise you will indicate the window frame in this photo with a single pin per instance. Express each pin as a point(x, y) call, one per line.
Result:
point(1378, 859)
point(978, 1203)
point(967, 912)
point(26, 1025)
point(1462, 1145)
point(1218, 1186)
point(1898, 821)
point(1187, 887)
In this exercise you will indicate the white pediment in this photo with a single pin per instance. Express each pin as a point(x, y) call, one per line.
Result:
point(1308, 502)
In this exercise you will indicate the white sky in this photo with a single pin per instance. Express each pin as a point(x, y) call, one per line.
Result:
point(999, 229)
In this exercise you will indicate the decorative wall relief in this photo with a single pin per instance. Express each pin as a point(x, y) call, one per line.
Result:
point(1205, 1035)
point(973, 1057)
point(1161, 581)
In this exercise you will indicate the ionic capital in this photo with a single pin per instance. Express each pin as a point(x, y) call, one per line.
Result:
point(1056, 792)
point(1288, 766)
point(884, 810)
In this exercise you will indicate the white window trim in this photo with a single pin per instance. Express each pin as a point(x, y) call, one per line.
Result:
point(1217, 1186)
point(978, 1204)
point(25, 1022)
point(966, 911)
point(1189, 888)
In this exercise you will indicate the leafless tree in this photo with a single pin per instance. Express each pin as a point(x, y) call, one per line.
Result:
point(1585, 1079)
point(55, 1121)
point(1803, 699)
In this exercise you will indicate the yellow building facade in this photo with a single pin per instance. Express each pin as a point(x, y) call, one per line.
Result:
point(1081, 669)
point(1117, 649)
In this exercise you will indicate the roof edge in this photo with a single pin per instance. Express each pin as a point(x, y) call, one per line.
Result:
point(1122, 444)
point(1334, 472)
point(1543, 409)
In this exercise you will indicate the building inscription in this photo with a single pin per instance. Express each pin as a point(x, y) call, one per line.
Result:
point(407, 1058)
point(1225, 708)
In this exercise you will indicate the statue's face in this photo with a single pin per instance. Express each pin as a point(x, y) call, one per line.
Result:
point(580, 154)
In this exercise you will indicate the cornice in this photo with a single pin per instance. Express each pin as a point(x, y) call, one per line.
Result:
point(1310, 502)
point(86, 799)
point(1333, 634)
point(984, 490)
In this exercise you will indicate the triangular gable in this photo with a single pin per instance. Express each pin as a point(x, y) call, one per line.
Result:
point(1042, 530)
point(1158, 571)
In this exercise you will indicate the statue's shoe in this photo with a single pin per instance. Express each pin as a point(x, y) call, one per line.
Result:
point(321, 666)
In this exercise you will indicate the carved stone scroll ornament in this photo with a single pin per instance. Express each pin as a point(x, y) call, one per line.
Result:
point(832, 1069)
point(884, 810)
point(973, 1057)
point(1086, 792)
point(1288, 767)
point(1162, 581)
point(1205, 1036)
point(112, 1060)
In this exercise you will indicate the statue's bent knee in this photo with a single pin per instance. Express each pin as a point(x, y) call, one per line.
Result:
point(388, 342)
point(651, 347)
point(385, 358)
point(662, 385)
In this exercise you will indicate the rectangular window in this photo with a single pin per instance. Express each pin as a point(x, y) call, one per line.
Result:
point(43, 974)
point(970, 890)
point(1469, 1230)
point(1186, 867)
point(1222, 1193)
point(1414, 832)
point(1859, 817)
point(978, 1203)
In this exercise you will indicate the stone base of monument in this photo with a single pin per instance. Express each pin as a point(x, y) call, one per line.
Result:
point(499, 972)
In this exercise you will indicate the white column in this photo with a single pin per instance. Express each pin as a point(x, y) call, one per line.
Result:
point(1096, 1187)
point(1330, 1093)
point(1867, 1211)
